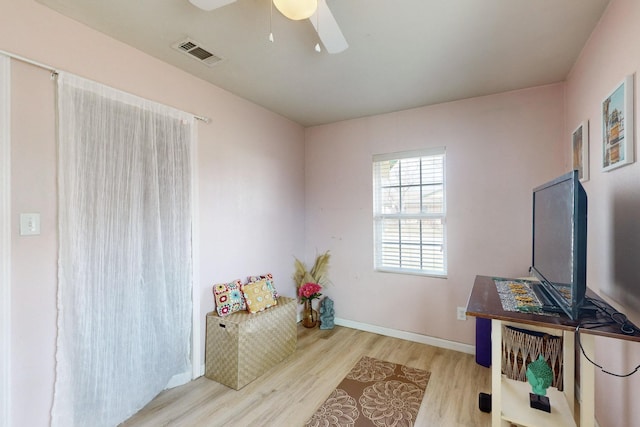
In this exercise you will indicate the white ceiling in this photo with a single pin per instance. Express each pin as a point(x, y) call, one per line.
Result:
point(402, 53)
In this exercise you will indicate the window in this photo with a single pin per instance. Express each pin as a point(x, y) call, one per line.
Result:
point(409, 212)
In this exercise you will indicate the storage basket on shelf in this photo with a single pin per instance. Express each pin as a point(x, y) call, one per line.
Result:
point(521, 347)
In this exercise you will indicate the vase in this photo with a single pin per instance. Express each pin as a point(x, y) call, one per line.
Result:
point(309, 315)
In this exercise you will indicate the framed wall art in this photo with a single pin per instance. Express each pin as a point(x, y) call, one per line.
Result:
point(617, 126)
point(580, 150)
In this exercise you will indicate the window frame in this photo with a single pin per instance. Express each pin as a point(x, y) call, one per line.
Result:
point(379, 216)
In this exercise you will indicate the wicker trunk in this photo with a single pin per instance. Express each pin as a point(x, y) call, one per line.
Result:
point(242, 346)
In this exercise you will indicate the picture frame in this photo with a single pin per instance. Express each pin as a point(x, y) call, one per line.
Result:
point(580, 150)
point(617, 126)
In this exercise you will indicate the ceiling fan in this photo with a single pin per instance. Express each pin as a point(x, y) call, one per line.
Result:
point(316, 11)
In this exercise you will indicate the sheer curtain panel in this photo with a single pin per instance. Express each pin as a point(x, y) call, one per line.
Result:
point(125, 260)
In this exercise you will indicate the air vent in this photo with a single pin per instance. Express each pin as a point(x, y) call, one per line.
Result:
point(196, 51)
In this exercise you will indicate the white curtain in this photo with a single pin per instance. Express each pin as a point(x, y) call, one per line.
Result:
point(125, 267)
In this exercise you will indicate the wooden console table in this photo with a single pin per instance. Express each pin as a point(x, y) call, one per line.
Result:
point(510, 398)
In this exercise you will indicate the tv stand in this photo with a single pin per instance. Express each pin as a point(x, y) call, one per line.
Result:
point(509, 398)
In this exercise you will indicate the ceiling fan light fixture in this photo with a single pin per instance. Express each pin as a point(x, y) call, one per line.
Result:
point(296, 9)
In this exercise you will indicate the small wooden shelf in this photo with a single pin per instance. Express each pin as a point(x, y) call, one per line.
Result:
point(516, 409)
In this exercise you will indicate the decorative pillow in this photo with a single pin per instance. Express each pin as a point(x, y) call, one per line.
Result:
point(228, 297)
point(259, 295)
point(268, 277)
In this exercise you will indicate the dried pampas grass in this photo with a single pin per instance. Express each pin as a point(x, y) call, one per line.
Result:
point(317, 274)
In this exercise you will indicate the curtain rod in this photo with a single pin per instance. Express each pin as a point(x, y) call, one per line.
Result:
point(29, 61)
point(54, 72)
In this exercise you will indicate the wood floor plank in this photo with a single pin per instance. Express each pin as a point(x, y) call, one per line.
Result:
point(288, 394)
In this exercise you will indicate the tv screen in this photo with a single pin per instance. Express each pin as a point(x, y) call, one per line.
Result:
point(559, 258)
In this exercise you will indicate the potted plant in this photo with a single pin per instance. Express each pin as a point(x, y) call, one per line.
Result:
point(309, 283)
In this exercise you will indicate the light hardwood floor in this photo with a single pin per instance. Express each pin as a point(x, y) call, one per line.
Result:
point(289, 393)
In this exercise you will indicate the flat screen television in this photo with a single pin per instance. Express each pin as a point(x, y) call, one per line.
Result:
point(559, 257)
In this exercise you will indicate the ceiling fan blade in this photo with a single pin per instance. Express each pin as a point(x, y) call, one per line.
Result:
point(210, 4)
point(329, 33)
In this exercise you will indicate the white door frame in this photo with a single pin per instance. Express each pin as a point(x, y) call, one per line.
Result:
point(5, 241)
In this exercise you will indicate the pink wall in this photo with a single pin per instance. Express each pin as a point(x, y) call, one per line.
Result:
point(33, 291)
point(499, 148)
point(256, 176)
point(250, 177)
point(612, 53)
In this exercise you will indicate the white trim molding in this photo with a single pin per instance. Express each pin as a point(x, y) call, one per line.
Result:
point(409, 336)
point(5, 241)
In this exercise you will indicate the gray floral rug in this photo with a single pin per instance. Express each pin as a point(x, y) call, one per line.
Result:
point(375, 393)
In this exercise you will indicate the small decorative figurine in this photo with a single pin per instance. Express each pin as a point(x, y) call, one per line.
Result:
point(326, 313)
point(540, 376)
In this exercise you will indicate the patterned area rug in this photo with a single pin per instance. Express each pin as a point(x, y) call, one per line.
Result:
point(375, 393)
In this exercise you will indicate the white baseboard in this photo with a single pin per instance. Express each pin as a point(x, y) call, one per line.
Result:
point(409, 336)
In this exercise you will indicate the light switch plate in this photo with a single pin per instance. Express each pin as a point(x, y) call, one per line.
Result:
point(29, 224)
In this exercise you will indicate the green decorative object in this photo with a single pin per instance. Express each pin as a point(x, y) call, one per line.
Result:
point(540, 376)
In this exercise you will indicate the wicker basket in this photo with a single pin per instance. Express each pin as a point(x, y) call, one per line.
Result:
point(521, 347)
point(242, 346)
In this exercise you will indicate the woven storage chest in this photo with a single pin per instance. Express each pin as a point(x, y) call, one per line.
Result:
point(242, 346)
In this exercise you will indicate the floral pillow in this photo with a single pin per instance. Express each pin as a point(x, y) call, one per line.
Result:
point(259, 295)
point(268, 277)
point(228, 297)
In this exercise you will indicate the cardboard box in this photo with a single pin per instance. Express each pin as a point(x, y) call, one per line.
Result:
point(242, 346)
